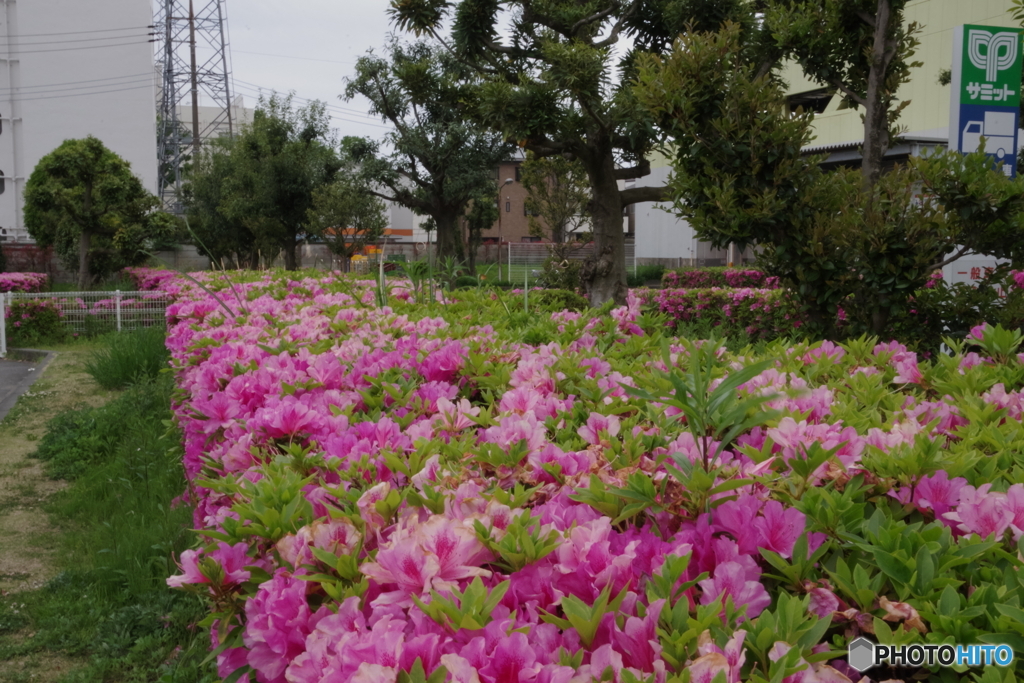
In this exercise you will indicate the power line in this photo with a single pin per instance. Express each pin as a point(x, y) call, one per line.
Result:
point(75, 40)
point(305, 59)
point(333, 107)
point(5, 92)
point(75, 33)
point(97, 92)
point(94, 80)
point(69, 49)
point(334, 114)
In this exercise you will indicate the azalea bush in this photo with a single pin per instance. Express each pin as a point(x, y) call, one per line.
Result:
point(755, 313)
point(34, 321)
point(23, 282)
point(470, 492)
point(706, 278)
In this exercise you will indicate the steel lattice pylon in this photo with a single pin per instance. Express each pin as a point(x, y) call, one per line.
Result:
point(192, 32)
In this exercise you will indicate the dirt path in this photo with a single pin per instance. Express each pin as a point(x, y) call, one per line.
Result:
point(28, 540)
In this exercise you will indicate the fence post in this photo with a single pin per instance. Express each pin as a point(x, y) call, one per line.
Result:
point(3, 324)
point(117, 305)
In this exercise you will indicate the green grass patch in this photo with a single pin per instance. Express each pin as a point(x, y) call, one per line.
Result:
point(110, 604)
point(129, 357)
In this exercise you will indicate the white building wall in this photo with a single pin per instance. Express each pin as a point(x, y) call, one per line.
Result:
point(663, 236)
point(69, 69)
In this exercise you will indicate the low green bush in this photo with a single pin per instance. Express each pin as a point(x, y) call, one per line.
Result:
point(559, 299)
point(129, 357)
point(35, 321)
point(644, 274)
point(465, 281)
point(561, 274)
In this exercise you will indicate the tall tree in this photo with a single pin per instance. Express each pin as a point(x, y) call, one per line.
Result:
point(221, 235)
point(559, 195)
point(862, 49)
point(84, 200)
point(436, 160)
point(837, 241)
point(266, 182)
point(556, 85)
point(346, 217)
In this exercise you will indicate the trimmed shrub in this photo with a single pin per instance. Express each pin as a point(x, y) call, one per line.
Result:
point(22, 282)
point(758, 313)
point(35, 321)
point(705, 278)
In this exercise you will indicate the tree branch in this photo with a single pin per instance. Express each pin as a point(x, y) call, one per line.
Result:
point(849, 93)
point(636, 195)
point(632, 172)
point(596, 16)
point(963, 251)
point(613, 36)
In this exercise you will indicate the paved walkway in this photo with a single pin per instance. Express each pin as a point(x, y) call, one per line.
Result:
point(16, 376)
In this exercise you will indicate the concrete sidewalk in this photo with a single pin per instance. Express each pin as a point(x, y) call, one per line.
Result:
point(16, 376)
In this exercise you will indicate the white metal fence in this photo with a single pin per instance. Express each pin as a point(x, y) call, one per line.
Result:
point(82, 313)
point(525, 260)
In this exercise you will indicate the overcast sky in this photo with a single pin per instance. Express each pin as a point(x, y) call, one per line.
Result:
point(308, 46)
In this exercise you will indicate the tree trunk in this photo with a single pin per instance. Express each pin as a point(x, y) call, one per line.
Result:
point(876, 124)
point(84, 261)
point(604, 274)
point(290, 262)
point(879, 320)
point(475, 238)
point(448, 237)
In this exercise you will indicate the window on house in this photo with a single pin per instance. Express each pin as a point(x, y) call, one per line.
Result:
point(508, 206)
point(813, 100)
point(519, 173)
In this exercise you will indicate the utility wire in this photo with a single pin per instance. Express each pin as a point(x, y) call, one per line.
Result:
point(69, 49)
point(340, 116)
point(305, 59)
point(94, 80)
point(65, 42)
point(333, 107)
point(96, 92)
point(13, 94)
point(75, 33)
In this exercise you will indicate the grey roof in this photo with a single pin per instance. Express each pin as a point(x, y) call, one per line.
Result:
point(854, 144)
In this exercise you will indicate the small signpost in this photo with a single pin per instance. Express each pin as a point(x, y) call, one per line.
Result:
point(985, 102)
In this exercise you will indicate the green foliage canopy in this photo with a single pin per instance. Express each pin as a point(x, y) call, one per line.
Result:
point(556, 85)
point(83, 200)
point(346, 216)
point(437, 159)
point(258, 188)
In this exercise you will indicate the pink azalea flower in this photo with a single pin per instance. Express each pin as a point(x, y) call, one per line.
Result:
point(730, 579)
point(596, 424)
point(982, 512)
point(779, 528)
point(938, 493)
point(420, 557)
point(907, 371)
point(734, 653)
point(276, 625)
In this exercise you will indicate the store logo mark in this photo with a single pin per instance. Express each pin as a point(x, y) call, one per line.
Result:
point(1000, 51)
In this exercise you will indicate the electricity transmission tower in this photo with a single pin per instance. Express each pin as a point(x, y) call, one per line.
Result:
point(194, 63)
